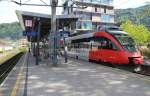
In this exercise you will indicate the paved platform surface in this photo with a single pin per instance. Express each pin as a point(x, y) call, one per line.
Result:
point(76, 78)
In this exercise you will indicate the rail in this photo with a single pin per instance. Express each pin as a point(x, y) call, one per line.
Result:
point(8, 64)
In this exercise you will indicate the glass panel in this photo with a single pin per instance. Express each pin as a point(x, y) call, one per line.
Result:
point(96, 1)
point(110, 11)
point(104, 43)
point(94, 26)
point(111, 19)
point(127, 42)
point(88, 1)
point(87, 25)
point(96, 18)
point(105, 2)
point(105, 18)
point(78, 24)
point(86, 16)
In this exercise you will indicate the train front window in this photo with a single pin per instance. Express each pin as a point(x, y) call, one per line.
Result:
point(127, 42)
point(104, 43)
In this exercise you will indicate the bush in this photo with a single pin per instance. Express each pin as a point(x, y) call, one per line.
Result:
point(1, 51)
point(23, 49)
point(146, 52)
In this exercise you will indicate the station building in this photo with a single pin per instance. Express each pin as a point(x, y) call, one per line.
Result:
point(92, 13)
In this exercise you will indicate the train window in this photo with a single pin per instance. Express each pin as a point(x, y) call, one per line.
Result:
point(81, 43)
point(104, 43)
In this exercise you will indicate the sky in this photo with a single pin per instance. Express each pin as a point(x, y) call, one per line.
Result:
point(7, 9)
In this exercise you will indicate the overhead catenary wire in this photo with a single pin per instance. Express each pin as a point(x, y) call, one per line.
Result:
point(31, 4)
point(25, 1)
point(43, 2)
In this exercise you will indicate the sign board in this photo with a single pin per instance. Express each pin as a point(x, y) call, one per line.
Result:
point(28, 23)
point(64, 34)
point(28, 33)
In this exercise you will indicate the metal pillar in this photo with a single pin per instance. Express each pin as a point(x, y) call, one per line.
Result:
point(32, 47)
point(34, 50)
point(54, 32)
point(65, 50)
point(38, 39)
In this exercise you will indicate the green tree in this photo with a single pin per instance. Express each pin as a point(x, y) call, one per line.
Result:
point(10, 30)
point(147, 11)
point(139, 32)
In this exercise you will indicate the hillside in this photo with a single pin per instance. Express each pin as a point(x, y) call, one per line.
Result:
point(132, 14)
point(10, 31)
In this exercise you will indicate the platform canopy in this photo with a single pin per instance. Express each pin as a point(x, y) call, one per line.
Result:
point(29, 22)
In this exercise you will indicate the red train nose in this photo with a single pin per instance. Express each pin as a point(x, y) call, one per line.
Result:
point(138, 60)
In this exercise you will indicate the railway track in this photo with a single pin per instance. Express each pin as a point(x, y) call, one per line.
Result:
point(145, 69)
point(7, 66)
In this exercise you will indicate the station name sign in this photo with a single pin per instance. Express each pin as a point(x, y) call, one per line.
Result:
point(28, 23)
point(29, 33)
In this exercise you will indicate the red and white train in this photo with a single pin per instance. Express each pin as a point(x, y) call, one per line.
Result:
point(109, 45)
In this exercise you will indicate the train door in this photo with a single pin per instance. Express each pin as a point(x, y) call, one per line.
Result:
point(108, 51)
point(93, 53)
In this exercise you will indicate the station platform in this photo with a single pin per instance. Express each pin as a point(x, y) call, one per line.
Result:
point(75, 78)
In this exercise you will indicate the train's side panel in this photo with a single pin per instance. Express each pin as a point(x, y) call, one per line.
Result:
point(106, 55)
point(94, 54)
point(116, 57)
point(72, 52)
point(79, 53)
point(83, 54)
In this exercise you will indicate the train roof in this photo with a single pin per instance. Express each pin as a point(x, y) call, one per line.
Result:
point(114, 30)
point(117, 32)
point(109, 29)
point(88, 34)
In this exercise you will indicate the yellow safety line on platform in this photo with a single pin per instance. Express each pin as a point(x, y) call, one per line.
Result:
point(16, 86)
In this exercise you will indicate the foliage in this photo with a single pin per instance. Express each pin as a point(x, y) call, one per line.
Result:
point(146, 52)
point(12, 31)
point(139, 15)
point(147, 11)
point(23, 49)
point(1, 51)
point(7, 56)
point(139, 32)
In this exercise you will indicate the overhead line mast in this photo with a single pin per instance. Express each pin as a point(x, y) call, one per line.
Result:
point(54, 31)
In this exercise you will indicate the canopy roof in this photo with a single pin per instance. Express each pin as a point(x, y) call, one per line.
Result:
point(45, 19)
